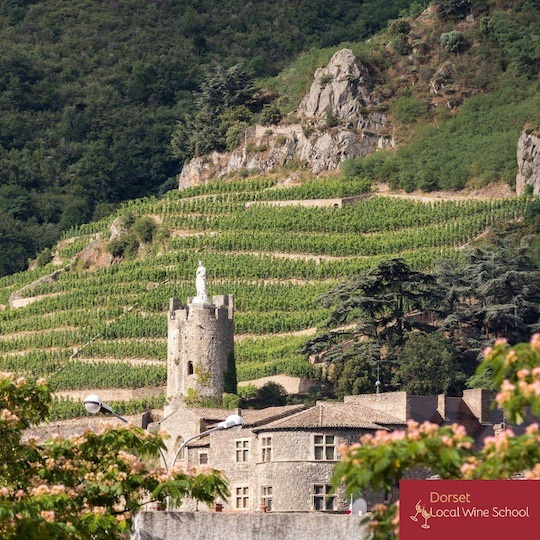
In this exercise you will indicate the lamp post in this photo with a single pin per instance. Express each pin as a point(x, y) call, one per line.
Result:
point(93, 404)
point(233, 421)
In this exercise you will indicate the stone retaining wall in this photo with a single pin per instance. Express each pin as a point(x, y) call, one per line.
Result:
point(249, 526)
point(338, 202)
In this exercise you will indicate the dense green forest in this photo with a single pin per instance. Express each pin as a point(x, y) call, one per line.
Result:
point(90, 91)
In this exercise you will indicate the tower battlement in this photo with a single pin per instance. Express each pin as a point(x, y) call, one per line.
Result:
point(222, 307)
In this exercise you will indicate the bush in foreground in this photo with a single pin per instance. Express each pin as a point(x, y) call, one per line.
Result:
point(87, 486)
point(379, 461)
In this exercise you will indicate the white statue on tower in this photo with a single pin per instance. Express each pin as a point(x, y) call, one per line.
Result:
point(200, 284)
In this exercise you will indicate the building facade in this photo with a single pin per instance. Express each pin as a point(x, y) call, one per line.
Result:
point(284, 457)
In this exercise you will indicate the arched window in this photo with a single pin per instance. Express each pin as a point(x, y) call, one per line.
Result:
point(177, 445)
point(190, 368)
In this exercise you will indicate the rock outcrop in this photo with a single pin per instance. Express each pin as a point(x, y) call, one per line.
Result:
point(528, 160)
point(343, 90)
point(338, 119)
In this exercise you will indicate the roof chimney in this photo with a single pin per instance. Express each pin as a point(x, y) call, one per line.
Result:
point(441, 406)
point(479, 401)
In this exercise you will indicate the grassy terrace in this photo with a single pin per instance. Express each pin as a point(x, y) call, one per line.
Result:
point(276, 261)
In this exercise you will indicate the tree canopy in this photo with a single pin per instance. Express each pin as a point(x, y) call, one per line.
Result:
point(370, 322)
point(425, 332)
point(86, 486)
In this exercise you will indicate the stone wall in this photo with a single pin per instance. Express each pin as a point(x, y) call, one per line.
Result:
point(338, 202)
point(393, 403)
point(253, 526)
point(77, 426)
point(113, 394)
point(292, 385)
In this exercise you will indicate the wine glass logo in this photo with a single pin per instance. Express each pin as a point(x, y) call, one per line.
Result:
point(426, 515)
point(418, 509)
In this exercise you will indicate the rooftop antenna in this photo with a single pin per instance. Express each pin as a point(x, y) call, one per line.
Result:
point(378, 382)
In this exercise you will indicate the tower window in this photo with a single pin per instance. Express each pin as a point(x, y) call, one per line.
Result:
point(266, 497)
point(177, 445)
point(190, 368)
point(266, 446)
point(242, 497)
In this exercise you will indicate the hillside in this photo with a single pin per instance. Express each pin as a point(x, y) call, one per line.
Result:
point(91, 313)
point(101, 324)
point(90, 93)
point(445, 94)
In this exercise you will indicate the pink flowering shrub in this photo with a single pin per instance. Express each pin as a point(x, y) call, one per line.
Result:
point(516, 371)
point(379, 461)
point(82, 487)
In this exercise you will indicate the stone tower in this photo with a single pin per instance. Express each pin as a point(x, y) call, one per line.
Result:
point(200, 348)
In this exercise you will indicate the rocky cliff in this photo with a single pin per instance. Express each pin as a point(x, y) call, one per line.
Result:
point(528, 159)
point(338, 119)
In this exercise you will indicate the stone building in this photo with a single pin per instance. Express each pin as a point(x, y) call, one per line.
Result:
point(283, 458)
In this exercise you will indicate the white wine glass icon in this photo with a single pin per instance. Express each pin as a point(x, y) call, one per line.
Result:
point(418, 509)
point(426, 515)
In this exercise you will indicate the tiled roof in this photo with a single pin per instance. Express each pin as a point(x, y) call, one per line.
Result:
point(209, 414)
point(200, 442)
point(256, 417)
point(336, 415)
point(252, 417)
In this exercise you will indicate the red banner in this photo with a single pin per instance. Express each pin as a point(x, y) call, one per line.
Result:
point(469, 510)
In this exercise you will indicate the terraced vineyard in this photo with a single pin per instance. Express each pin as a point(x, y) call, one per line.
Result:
point(105, 328)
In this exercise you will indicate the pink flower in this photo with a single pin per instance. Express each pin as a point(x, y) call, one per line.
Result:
point(467, 470)
point(429, 428)
point(41, 490)
point(535, 341)
point(459, 431)
point(48, 515)
point(8, 417)
point(511, 358)
point(447, 441)
point(534, 474)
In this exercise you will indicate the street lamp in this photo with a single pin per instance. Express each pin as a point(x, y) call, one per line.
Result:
point(233, 421)
point(93, 404)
